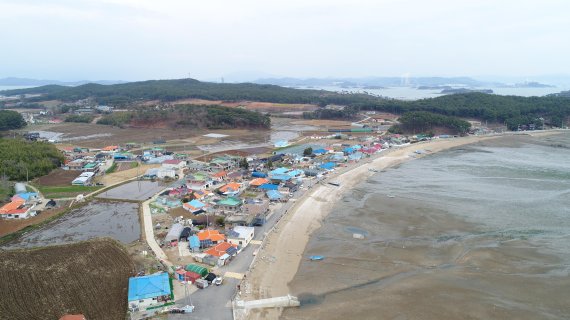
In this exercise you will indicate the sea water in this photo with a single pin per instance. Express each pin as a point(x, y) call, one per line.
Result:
point(480, 231)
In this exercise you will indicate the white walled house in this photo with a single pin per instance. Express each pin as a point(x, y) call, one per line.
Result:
point(148, 291)
point(241, 236)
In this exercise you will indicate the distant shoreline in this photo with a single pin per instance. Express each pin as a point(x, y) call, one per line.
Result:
point(287, 243)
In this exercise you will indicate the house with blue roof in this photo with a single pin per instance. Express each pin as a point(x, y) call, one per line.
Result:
point(268, 186)
point(149, 291)
point(280, 170)
point(278, 178)
point(328, 166)
point(295, 173)
point(274, 195)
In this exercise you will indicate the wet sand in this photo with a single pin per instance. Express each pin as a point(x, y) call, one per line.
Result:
point(414, 264)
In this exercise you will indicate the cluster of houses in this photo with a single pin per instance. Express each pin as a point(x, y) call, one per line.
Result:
point(21, 205)
point(241, 195)
point(90, 162)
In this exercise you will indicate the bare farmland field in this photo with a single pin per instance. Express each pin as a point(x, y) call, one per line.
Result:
point(89, 277)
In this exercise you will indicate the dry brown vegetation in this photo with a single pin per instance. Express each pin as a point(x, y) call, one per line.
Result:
point(58, 177)
point(90, 278)
point(253, 105)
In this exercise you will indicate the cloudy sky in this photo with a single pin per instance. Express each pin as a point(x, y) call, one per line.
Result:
point(152, 39)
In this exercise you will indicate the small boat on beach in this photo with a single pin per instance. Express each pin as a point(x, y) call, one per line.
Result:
point(316, 258)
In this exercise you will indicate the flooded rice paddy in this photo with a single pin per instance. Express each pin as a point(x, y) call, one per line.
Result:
point(117, 220)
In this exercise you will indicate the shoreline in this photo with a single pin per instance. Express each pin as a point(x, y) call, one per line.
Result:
point(282, 250)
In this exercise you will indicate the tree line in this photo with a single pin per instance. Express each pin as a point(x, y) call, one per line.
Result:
point(20, 158)
point(487, 107)
point(10, 120)
point(422, 122)
point(197, 116)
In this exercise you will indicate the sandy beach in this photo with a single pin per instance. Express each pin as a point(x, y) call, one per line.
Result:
point(283, 248)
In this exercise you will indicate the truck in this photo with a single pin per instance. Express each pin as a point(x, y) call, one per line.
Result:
point(201, 283)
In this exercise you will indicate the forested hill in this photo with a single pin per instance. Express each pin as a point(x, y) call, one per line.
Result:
point(513, 109)
point(170, 90)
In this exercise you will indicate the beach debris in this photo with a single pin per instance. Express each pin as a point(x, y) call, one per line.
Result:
point(390, 196)
point(316, 258)
point(358, 236)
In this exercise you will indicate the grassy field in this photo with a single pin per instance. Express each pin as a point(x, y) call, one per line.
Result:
point(112, 168)
point(55, 192)
point(89, 277)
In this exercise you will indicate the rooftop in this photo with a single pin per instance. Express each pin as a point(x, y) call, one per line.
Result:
point(150, 286)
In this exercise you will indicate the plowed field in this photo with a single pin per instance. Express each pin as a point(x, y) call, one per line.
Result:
point(88, 277)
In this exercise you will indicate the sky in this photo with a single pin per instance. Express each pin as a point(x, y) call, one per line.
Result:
point(150, 39)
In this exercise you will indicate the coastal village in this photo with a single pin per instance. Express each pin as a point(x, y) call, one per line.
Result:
point(206, 212)
point(204, 217)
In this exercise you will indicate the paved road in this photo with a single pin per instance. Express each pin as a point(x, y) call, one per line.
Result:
point(215, 302)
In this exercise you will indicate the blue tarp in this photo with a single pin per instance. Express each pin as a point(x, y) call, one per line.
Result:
point(194, 242)
point(268, 186)
point(150, 286)
point(257, 174)
point(274, 195)
point(327, 166)
point(348, 150)
point(279, 171)
point(319, 151)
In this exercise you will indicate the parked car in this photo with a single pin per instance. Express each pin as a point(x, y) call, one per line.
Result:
point(218, 281)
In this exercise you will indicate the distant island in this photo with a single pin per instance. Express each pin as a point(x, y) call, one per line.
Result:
point(564, 94)
point(373, 87)
point(14, 81)
point(531, 84)
point(434, 87)
point(465, 90)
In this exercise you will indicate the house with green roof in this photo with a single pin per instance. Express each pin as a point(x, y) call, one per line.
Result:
point(229, 203)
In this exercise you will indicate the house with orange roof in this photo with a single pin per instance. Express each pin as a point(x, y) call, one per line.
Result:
point(13, 205)
point(16, 209)
point(257, 182)
point(220, 175)
point(230, 189)
point(221, 249)
point(110, 149)
point(211, 235)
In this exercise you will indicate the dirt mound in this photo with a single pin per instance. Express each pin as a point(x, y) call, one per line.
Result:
point(90, 278)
